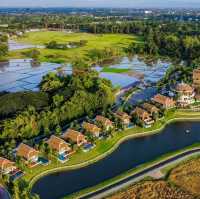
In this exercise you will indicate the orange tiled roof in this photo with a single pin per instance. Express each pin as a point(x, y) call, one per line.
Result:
point(73, 135)
point(26, 151)
point(161, 99)
point(141, 113)
point(57, 143)
point(182, 87)
point(122, 115)
point(5, 163)
point(105, 121)
point(91, 127)
point(150, 107)
point(196, 73)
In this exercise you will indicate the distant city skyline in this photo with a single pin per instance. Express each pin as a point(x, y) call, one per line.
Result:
point(103, 3)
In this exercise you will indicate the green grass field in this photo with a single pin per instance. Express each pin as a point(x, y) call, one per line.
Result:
point(115, 70)
point(117, 41)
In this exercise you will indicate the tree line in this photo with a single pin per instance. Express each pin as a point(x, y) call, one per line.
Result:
point(69, 97)
point(3, 45)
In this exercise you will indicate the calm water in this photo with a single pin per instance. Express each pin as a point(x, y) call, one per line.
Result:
point(19, 75)
point(13, 45)
point(3, 193)
point(129, 155)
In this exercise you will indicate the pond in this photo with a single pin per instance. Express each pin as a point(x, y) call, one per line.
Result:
point(23, 75)
point(129, 155)
point(3, 193)
point(13, 45)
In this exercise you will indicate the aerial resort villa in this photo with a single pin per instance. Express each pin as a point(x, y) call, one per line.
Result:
point(9, 168)
point(124, 117)
point(6, 166)
point(61, 147)
point(74, 136)
point(150, 108)
point(143, 116)
point(196, 78)
point(105, 122)
point(29, 154)
point(92, 129)
point(185, 95)
point(196, 83)
point(164, 101)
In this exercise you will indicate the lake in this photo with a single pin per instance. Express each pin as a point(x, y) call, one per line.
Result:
point(129, 155)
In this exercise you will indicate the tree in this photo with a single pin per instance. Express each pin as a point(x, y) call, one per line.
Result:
point(34, 54)
point(3, 49)
point(51, 82)
point(57, 100)
point(58, 130)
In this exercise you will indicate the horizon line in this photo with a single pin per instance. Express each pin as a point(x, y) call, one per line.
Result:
point(99, 7)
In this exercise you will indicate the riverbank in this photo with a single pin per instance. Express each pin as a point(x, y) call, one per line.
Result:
point(134, 175)
point(105, 147)
point(185, 168)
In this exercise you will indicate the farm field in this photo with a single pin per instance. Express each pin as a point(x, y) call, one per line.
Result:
point(115, 70)
point(152, 190)
point(102, 41)
point(187, 176)
point(183, 182)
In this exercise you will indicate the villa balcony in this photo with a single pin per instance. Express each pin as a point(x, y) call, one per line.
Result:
point(149, 121)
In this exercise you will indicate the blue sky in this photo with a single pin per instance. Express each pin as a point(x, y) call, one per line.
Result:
point(100, 3)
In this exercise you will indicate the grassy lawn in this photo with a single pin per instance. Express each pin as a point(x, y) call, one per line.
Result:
point(102, 41)
point(115, 70)
point(104, 147)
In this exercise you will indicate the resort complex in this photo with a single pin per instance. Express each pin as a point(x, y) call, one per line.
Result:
point(99, 102)
point(144, 115)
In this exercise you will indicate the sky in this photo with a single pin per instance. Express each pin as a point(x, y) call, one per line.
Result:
point(101, 3)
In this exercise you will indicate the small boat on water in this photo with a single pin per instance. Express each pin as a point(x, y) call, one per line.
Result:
point(187, 131)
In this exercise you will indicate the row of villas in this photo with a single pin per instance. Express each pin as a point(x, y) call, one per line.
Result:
point(185, 95)
point(60, 145)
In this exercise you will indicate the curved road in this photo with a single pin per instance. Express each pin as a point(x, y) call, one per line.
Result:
point(3, 193)
point(135, 177)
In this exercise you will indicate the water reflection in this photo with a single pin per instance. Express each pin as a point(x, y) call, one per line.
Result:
point(13, 45)
point(19, 74)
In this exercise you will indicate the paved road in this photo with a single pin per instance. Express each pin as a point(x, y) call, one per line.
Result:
point(4, 194)
point(138, 176)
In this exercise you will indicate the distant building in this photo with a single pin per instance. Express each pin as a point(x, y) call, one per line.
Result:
point(148, 11)
point(6, 166)
point(185, 94)
point(59, 145)
point(91, 128)
point(150, 108)
point(74, 136)
point(165, 102)
point(104, 121)
point(124, 117)
point(143, 115)
point(28, 153)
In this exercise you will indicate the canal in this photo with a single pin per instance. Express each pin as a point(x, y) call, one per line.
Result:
point(129, 155)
